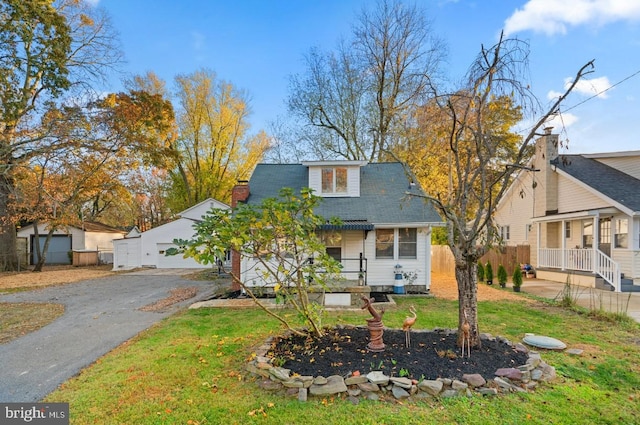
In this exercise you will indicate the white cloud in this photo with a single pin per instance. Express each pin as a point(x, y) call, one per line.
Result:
point(554, 16)
point(92, 3)
point(592, 87)
point(560, 121)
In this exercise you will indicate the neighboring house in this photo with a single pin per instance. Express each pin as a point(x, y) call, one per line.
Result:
point(89, 236)
point(147, 249)
point(580, 214)
point(382, 226)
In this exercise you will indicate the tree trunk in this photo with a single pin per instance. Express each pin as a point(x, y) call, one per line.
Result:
point(8, 237)
point(466, 277)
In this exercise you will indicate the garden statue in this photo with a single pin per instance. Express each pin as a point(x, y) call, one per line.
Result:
point(466, 335)
point(407, 324)
point(375, 326)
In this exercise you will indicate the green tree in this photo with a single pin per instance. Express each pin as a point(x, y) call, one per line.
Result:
point(46, 50)
point(279, 240)
point(213, 149)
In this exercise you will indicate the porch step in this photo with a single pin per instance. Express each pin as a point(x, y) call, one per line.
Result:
point(626, 285)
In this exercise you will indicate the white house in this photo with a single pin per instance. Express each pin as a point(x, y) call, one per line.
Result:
point(580, 214)
point(382, 227)
point(89, 236)
point(147, 249)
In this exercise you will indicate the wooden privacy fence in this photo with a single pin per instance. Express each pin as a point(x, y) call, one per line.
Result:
point(509, 256)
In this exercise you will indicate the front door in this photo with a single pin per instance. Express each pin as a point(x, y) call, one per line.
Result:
point(604, 239)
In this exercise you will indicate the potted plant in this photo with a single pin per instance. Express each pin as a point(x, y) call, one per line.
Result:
point(488, 273)
point(517, 279)
point(480, 272)
point(502, 276)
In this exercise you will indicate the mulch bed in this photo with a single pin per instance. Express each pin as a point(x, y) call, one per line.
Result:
point(435, 354)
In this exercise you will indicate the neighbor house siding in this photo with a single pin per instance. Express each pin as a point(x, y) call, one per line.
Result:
point(572, 197)
point(516, 209)
point(629, 164)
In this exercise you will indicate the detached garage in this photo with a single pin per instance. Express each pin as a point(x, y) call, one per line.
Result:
point(88, 236)
point(147, 249)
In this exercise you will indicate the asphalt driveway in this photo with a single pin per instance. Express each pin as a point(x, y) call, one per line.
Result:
point(99, 315)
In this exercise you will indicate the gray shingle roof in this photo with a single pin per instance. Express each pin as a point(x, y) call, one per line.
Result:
point(382, 194)
point(614, 184)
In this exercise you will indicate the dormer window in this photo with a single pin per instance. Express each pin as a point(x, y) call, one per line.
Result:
point(334, 180)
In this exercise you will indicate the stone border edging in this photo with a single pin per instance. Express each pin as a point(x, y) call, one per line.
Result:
point(371, 386)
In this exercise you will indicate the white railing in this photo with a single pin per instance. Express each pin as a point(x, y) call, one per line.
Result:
point(608, 269)
point(581, 260)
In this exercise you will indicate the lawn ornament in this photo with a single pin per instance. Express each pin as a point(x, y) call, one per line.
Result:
point(406, 326)
point(466, 335)
point(376, 328)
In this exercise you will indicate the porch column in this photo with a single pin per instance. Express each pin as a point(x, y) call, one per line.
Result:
point(595, 243)
point(563, 235)
point(538, 241)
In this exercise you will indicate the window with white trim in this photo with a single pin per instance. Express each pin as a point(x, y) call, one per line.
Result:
point(621, 237)
point(505, 233)
point(406, 239)
point(334, 180)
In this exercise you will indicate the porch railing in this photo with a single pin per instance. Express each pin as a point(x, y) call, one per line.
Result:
point(578, 259)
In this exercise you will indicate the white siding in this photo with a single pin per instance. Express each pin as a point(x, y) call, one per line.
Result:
point(572, 197)
point(516, 210)
point(626, 164)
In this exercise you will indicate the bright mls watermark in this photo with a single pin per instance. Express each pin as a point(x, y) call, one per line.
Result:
point(34, 413)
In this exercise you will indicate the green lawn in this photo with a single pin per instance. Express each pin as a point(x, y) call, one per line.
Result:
point(190, 370)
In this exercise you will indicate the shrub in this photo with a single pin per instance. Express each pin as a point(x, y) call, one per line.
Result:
point(502, 275)
point(488, 273)
point(517, 277)
point(480, 272)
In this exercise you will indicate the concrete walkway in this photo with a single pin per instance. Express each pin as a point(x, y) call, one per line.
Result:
point(591, 298)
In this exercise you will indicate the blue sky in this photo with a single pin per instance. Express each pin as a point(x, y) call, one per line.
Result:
point(257, 44)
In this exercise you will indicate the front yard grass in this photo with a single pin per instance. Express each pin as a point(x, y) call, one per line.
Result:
point(190, 369)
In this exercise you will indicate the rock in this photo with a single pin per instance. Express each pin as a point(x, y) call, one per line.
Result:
point(319, 380)
point(335, 384)
point(302, 394)
point(474, 379)
point(431, 387)
point(509, 372)
point(373, 396)
point(399, 393)
point(401, 382)
point(521, 348)
point(280, 373)
point(488, 391)
point(377, 377)
point(354, 400)
point(270, 385)
point(355, 380)
point(449, 394)
point(369, 387)
point(575, 351)
point(536, 374)
point(354, 392)
point(292, 383)
point(459, 385)
point(503, 383)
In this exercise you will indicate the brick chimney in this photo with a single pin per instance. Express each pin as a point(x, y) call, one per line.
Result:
point(547, 178)
point(239, 193)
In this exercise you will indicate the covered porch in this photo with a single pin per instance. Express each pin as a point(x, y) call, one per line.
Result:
point(594, 248)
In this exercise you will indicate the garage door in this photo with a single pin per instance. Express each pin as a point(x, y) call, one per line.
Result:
point(174, 261)
point(57, 252)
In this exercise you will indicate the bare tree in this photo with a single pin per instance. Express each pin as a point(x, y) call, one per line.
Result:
point(480, 175)
point(351, 102)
